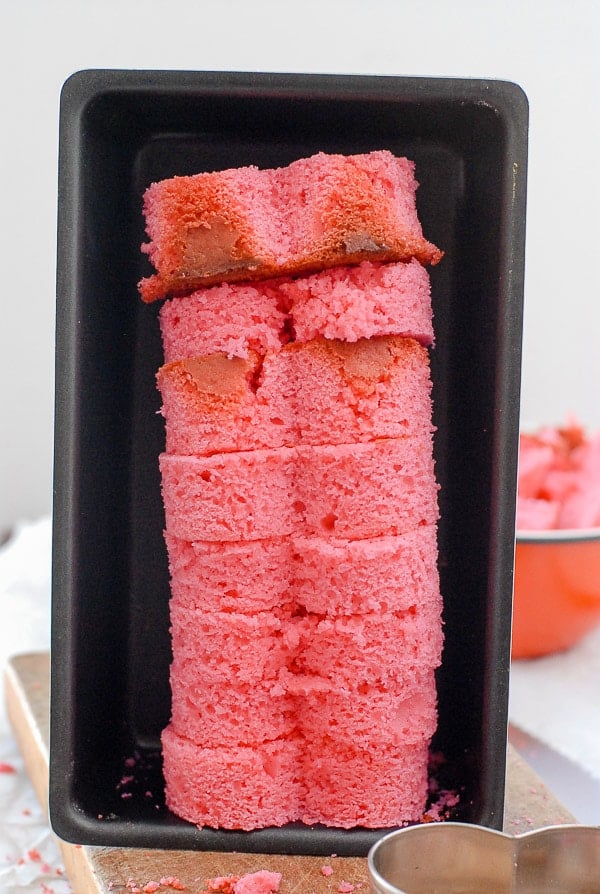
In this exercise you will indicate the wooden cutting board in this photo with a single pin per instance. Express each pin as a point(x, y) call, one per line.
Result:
point(97, 870)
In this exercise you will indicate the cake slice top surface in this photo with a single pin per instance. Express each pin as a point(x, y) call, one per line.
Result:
point(253, 224)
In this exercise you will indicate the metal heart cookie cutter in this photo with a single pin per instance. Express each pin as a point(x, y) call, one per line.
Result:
point(458, 858)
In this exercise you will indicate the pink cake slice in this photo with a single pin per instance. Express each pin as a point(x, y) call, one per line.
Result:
point(209, 404)
point(247, 576)
point(230, 646)
point(380, 786)
point(346, 303)
point(395, 716)
point(231, 319)
point(362, 302)
point(213, 714)
point(325, 575)
point(353, 491)
point(389, 651)
point(249, 224)
point(232, 786)
point(381, 574)
point(321, 392)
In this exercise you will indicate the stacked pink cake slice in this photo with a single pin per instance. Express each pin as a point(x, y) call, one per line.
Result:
point(299, 491)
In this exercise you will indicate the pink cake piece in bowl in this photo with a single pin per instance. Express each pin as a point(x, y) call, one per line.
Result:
point(397, 716)
point(233, 787)
point(320, 392)
point(349, 490)
point(390, 650)
point(369, 300)
point(381, 786)
point(230, 319)
point(333, 577)
point(251, 224)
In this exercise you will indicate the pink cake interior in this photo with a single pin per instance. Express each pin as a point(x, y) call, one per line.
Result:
point(234, 786)
point(327, 576)
point(232, 319)
point(321, 392)
point(347, 303)
point(361, 302)
point(381, 786)
point(350, 490)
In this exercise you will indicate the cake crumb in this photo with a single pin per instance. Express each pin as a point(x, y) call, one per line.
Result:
point(261, 882)
point(326, 871)
point(345, 888)
point(173, 882)
point(6, 768)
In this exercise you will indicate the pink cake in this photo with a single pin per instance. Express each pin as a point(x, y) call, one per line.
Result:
point(231, 319)
point(395, 716)
point(254, 645)
point(323, 575)
point(233, 786)
point(353, 491)
point(321, 392)
point(380, 786)
point(237, 713)
point(249, 224)
point(299, 492)
point(381, 574)
point(347, 303)
point(361, 302)
point(246, 576)
point(354, 652)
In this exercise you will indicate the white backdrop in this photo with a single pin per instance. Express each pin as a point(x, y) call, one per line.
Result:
point(552, 49)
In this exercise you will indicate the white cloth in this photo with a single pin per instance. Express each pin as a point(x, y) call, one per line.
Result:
point(29, 856)
point(557, 699)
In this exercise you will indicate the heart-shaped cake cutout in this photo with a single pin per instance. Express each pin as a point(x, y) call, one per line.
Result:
point(458, 858)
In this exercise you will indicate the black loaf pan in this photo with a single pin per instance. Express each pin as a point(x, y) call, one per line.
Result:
point(121, 130)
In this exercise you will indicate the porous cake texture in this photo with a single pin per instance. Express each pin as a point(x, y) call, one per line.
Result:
point(248, 224)
point(326, 576)
point(299, 491)
point(379, 786)
point(346, 303)
point(351, 491)
point(322, 392)
point(234, 786)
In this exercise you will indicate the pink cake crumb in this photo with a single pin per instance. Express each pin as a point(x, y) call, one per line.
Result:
point(233, 319)
point(326, 871)
point(377, 787)
point(324, 575)
point(261, 882)
point(362, 302)
point(233, 787)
